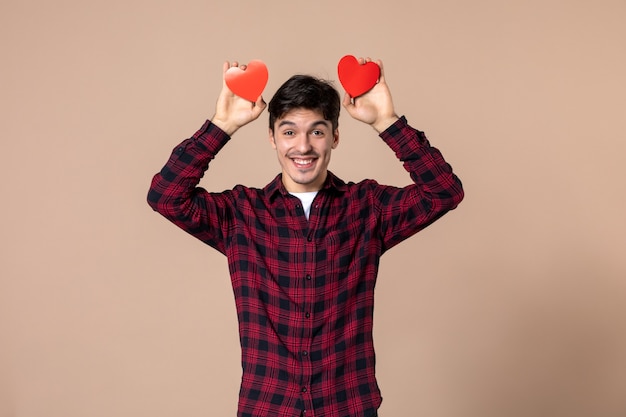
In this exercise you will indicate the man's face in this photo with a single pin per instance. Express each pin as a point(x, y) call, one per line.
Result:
point(303, 141)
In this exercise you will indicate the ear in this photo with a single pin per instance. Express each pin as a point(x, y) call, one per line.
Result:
point(335, 139)
point(271, 138)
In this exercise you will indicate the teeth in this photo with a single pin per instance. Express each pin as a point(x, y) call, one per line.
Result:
point(302, 161)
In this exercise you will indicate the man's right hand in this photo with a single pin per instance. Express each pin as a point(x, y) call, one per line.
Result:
point(233, 112)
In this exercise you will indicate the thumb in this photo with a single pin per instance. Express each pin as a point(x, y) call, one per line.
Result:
point(259, 106)
point(381, 78)
point(349, 105)
point(260, 102)
point(347, 101)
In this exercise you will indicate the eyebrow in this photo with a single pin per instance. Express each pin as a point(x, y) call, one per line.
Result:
point(290, 123)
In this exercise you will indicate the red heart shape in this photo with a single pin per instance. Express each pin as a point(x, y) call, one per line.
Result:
point(357, 79)
point(248, 83)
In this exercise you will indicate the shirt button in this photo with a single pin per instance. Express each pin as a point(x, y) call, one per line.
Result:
point(309, 238)
point(307, 314)
point(303, 389)
point(305, 353)
point(308, 277)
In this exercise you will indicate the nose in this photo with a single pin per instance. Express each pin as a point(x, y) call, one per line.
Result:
point(303, 144)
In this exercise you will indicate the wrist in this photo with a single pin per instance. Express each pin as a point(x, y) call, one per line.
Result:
point(384, 123)
point(226, 127)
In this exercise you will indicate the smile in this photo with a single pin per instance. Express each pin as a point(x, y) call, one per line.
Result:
point(303, 163)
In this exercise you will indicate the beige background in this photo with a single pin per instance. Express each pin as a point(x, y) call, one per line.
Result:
point(512, 305)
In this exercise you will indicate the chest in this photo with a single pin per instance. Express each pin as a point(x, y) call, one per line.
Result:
point(276, 243)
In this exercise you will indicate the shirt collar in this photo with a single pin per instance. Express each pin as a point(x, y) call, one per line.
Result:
point(332, 184)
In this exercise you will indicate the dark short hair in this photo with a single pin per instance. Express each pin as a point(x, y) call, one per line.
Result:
point(305, 92)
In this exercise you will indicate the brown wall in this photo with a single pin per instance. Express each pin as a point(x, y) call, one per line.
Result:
point(512, 305)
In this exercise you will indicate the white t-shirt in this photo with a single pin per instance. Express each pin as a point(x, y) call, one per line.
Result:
point(307, 200)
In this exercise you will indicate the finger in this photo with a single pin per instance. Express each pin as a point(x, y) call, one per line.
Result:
point(243, 67)
point(347, 101)
point(260, 103)
point(349, 105)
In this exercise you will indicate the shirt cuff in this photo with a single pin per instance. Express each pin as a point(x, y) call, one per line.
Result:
point(395, 128)
point(404, 139)
point(210, 137)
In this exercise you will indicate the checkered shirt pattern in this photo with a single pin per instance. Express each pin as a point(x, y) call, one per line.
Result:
point(304, 290)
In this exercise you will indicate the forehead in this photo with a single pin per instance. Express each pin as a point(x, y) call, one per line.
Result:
point(302, 118)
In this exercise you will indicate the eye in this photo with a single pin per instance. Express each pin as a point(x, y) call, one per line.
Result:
point(288, 133)
point(318, 133)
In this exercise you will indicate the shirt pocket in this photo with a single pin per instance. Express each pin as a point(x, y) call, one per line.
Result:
point(342, 251)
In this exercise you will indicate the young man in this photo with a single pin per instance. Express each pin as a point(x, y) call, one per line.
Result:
point(303, 252)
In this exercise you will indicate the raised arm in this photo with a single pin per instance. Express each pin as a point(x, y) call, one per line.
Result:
point(375, 107)
point(435, 190)
point(233, 112)
point(174, 191)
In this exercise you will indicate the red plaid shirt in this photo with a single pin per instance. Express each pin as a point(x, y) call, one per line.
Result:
point(304, 289)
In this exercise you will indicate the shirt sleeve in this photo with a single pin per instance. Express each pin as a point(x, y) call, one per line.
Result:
point(174, 191)
point(435, 189)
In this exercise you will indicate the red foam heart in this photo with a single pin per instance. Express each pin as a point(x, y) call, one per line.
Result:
point(357, 79)
point(248, 83)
